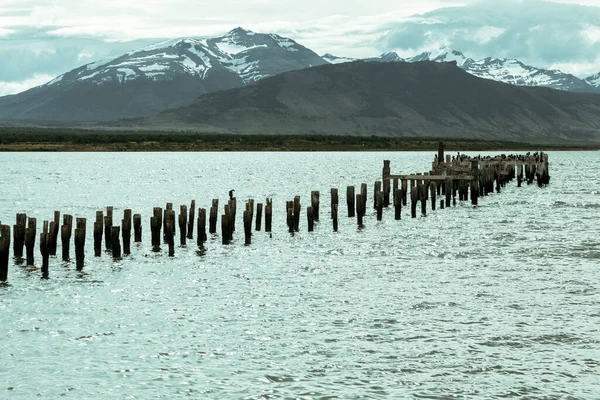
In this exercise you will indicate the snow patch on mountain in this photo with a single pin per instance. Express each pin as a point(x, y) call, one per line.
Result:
point(335, 59)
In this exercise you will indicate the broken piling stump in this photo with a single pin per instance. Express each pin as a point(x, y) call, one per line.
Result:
point(80, 228)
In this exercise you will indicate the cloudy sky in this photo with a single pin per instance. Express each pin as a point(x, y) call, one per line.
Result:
point(40, 39)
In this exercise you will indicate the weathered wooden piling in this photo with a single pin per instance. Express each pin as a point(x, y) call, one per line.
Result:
point(376, 190)
point(166, 216)
point(519, 174)
point(232, 214)
point(170, 232)
point(126, 231)
point(108, 223)
point(423, 198)
point(310, 217)
point(137, 228)
point(386, 192)
point(334, 199)
point(19, 235)
point(45, 249)
point(350, 198)
point(225, 226)
point(404, 185)
point(212, 219)
point(297, 209)
point(155, 226)
point(397, 204)
point(4, 251)
point(475, 181)
point(115, 242)
point(363, 196)
point(183, 220)
point(269, 214)
point(98, 232)
point(65, 236)
point(53, 233)
point(289, 208)
point(259, 210)
point(414, 195)
point(433, 189)
point(80, 228)
point(314, 203)
point(379, 201)
point(247, 216)
point(441, 204)
point(201, 227)
point(191, 220)
point(30, 233)
point(334, 213)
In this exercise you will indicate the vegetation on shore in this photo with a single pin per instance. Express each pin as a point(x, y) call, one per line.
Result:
point(28, 139)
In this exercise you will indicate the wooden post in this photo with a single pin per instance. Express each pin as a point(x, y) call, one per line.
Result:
point(115, 242)
point(225, 229)
point(359, 210)
point(413, 202)
point(442, 204)
point(80, 227)
point(314, 203)
point(65, 236)
point(334, 199)
point(350, 198)
point(519, 174)
point(397, 204)
point(53, 233)
point(334, 211)
point(126, 231)
point(386, 192)
point(137, 228)
point(289, 208)
point(363, 196)
point(297, 209)
point(44, 249)
point(155, 227)
point(108, 223)
point(4, 251)
point(379, 199)
point(183, 219)
point(19, 235)
point(433, 189)
point(310, 218)
point(201, 227)
point(212, 219)
point(269, 214)
point(259, 209)
point(191, 220)
point(98, 232)
point(423, 197)
point(440, 156)
point(170, 231)
point(166, 216)
point(386, 169)
point(394, 187)
point(247, 227)
point(404, 191)
point(376, 190)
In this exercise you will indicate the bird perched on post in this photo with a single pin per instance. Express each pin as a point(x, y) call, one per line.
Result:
point(231, 193)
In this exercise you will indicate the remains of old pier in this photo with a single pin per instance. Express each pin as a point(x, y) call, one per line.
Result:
point(470, 177)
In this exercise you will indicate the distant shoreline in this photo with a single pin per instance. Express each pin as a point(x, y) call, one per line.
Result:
point(57, 140)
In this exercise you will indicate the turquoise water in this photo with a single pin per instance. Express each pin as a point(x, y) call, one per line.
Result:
point(498, 301)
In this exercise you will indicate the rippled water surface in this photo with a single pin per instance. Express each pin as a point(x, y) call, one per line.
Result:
point(499, 301)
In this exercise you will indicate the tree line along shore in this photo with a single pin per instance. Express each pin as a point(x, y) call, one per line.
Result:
point(26, 139)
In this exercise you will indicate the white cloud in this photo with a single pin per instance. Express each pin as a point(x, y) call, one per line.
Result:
point(7, 88)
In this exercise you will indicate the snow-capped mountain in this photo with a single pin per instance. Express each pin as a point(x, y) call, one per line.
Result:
point(499, 69)
point(165, 75)
point(330, 58)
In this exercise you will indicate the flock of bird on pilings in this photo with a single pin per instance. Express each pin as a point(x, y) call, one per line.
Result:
point(449, 175)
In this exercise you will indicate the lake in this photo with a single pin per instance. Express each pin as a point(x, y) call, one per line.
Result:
point(497, 301)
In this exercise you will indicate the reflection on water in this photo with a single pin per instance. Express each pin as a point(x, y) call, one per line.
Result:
point(490, 302)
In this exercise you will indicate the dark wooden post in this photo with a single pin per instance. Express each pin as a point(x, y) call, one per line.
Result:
point(115, 242)
point(433, 189)
point(268, 215)
point(394, 187)
point(98, 232)
point(80, 227)
point(379, 200)
point(440, 157)
point(108, 223)
point(350, 198)
point(247, 226)
point(334, 199)
point(191, 220)
point(53, 233)
point(397, 204)
point(519, 174)
point(259, 209)
point(363, 196)
point(65, 236)
point(386, 192)
point(289, 208)
point(448, 188)
point(126, 231)
point(359, 210)
point(44, 249)
point(310, 218)
point(170, 231)
point(413, 201)
point(441, 204)
point(137, 228)
point(166, 216)
point(423, 197)
point(19, 235)
point(314, 203)
point(225, 229)
point(404, 192)
point(334, 211)
point(183, 219)
point(376, 190)
point(212, 219)
point(201, 227)
point(155, 227)
point(297, 209)
point(4, 251)
point(30, 232)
